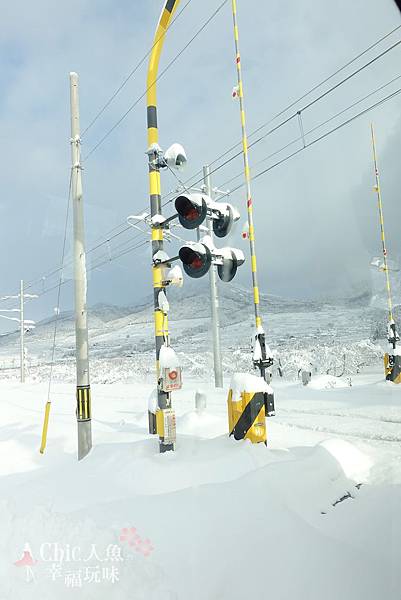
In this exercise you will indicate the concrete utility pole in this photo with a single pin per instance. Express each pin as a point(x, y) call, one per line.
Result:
point(83, 413)
point(22, 332)
point(214, 297)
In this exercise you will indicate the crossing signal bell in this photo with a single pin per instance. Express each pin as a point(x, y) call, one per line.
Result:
point(192, 210)
point(230, 259)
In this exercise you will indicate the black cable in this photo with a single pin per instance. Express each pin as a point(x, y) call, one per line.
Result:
point(323, 136)
point(288, 119)
point(132, 73)
point(285, 159)
point(188, 182)
point(313, 89)
point(319, 126)
point(56, 321)
point(96, 266)
point(170, 64)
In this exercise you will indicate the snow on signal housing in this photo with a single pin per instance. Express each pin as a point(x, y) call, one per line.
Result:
point(232, 259)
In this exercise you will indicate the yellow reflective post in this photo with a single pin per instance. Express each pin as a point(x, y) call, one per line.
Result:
point(45, 427)
point(160, 320)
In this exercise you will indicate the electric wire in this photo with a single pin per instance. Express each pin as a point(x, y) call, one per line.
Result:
point(303, 96)
point(59, 287)
point(184, 184)
point(188, 182)
point(319, 126)
point(325, 135)
point(130, 74)
point(162, 73)
point(298, 112)
point(96, 266)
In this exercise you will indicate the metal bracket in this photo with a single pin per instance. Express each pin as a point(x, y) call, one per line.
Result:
point(158, 263)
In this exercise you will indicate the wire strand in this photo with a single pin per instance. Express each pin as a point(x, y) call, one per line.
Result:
point(325, 135)
point(170, 64)
point(59, 287)
point(131, 74)
point(189, 182)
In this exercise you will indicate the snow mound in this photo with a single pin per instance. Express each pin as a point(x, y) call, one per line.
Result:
point(355, 464)
point(327, 382)
point(200, 424)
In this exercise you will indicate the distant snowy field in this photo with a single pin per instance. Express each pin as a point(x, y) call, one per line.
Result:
point(326, 338)
point(314, 515)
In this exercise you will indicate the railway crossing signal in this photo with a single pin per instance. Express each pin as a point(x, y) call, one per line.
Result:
point(193, 208)
point(197, 258)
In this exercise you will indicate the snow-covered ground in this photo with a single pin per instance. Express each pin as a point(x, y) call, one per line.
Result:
point(313, 515)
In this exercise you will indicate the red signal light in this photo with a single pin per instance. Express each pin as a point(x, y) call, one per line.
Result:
point(191, 209)
point(191, 214)
point(196, 263)
point(196, 259)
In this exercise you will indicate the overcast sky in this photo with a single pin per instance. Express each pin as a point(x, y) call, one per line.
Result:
point(316, 215)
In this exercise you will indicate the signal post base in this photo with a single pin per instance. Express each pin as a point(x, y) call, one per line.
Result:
point(246, 404)
point(392, 367)
point(166, 429)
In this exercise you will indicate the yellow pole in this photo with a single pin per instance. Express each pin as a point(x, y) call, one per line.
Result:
point(392, 360)
point(165, 418)
point(261, 360)
point(381, 219)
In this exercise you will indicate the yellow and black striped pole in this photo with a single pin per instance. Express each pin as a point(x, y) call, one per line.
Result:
point(381, 219)
point(164, 418)
point(392, 362)
point(261, 360)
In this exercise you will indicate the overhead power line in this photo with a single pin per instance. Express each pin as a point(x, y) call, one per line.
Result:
point(123, 228)
point(170, 64)
point(323, 136)
point(295, 114)
point(319, 126)
point(295, 102)
point(127, 227)
point(97, 265)
point(292, 104)
point(131, 74)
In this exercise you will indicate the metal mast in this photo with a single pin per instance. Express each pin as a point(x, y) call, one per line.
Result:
point(214, 299)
